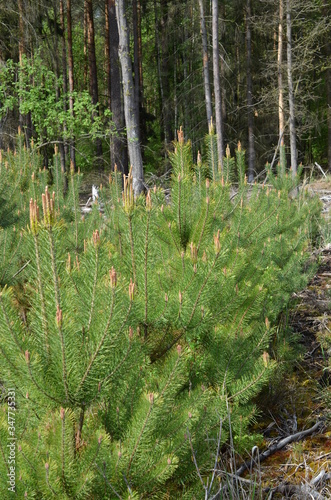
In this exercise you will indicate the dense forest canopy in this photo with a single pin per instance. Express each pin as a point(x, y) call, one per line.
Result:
point(67, 77)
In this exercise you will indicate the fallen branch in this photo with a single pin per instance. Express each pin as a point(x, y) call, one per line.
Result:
point(249, 464)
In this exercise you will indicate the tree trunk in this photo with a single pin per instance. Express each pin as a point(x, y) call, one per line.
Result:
point(165, 72)
point(250, 113)
point(294, 159)
point(222, 69)
point(57, 88)
point(92, 64)
point(140, 53)
point(107, 58)
point(136, 65)
point(159, 71)
point(217, 85)
point(281, 116)
point(326, 13)
point(130, 109)
point(209, 109)
point(64, 79)
point(20, 53)
point(118, 148)
point(71, 82)
point(25, 121)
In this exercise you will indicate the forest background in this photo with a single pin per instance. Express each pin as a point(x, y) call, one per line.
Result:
point(261, 69)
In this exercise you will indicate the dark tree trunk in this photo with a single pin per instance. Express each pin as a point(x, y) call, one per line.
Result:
point(64, 78)
point(217, 85)
point(71, 82)
point(326, 12)
point(165, 74)
point(222, 70)
point(93, 78)
point(25, 121)
point(118, 146)
point(130, 108)
point(107, 57)
point(57, 89)
point(136, 64)
point(250, 112)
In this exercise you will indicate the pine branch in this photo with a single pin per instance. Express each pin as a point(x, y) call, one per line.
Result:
point(151, 398)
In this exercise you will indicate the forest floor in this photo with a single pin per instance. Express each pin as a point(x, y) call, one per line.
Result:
point(302, 397)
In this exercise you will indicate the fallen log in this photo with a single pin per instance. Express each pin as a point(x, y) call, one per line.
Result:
point(257, 458)
point(249, 464)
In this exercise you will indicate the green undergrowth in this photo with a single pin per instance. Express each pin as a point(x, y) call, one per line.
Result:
point(128, 334)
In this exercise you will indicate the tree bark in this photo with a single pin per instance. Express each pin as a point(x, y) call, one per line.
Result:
point(130, 108)
point(222, 68)
point(136, 64)
point(159, 71)
point(294, 156)
point(20, 52)
point(64, 79)
point(57, 84)
point(165, 72)
point(25, 121)
point(71, 81)
point(250, 113)
point(118, 148)
point(92, 64)
point(217, 85)
point(107, 57)
point(209, 109)
point(281, 116)
point(326, 12)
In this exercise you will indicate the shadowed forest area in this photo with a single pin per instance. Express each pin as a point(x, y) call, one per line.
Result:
point(165, 258)
point(77, 73)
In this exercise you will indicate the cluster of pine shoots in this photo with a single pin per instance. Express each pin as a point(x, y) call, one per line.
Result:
point(131, 333)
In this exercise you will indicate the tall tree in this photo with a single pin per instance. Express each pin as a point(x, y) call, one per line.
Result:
point(107, 57)
point(92, 64)
point(209, 109)
point(217, 84)
point(281, 111)
point(118, 147)
point(64, 74)
point(326, 11)
point(71, 80)
point(136, 55)
point(250, 112)
point(24, 119)
point(293, 138)
point(130, 108)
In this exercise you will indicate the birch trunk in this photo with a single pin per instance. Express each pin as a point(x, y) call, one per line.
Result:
point(130, 109)
point(118, 149)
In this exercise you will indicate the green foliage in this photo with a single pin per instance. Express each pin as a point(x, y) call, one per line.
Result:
point(283, 180)
point(30, 87)
point(134, 331)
